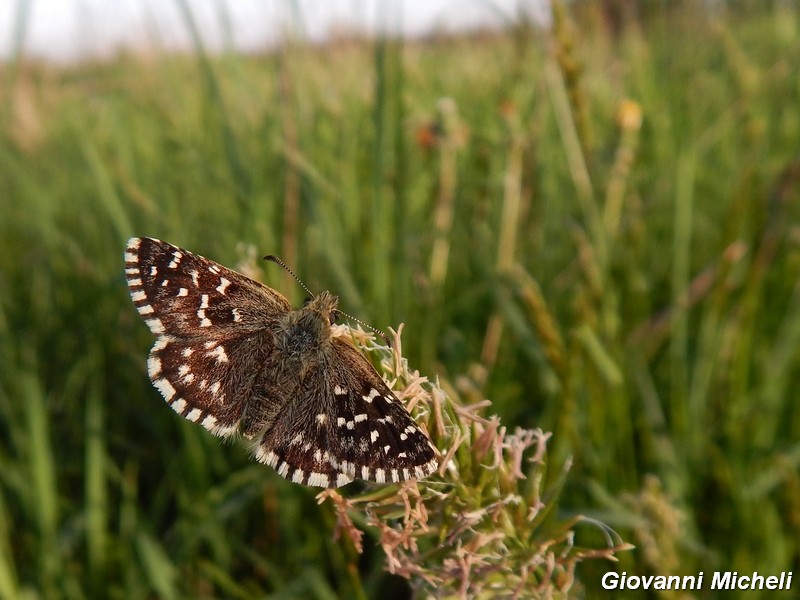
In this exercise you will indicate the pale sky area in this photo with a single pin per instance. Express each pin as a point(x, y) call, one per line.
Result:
point(68, 30)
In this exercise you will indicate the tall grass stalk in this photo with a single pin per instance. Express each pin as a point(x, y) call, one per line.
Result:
point(679, 334)
point(97, 509)
point(42, 496)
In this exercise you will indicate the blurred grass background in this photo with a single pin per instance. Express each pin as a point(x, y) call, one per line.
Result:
point(633, 173)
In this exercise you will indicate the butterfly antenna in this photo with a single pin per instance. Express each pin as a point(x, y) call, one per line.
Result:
point(275, 259)
point(374, 330)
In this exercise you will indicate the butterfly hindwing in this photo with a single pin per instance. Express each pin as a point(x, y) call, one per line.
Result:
point(207, 381)
point(367, 433)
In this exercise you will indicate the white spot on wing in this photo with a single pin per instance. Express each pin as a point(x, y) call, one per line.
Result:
point(223, 430)
point(176, 259)
point(342, 479)
point(268, 457)
point(298, 476)
point(223, 283)
point(182, 292)
point(380, 476)
point(220, 354)
point(154, 366)
point(165, 387)
point(179, 405)
point(156, 326)
point(373, 393)
point(373, 435)
point(360, 417)
point(317, 479)
point(194, 414)
point(339, 391)
point(138, 295)
point(321, 418)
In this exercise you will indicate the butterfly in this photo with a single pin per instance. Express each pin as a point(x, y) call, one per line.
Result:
point(233, 355)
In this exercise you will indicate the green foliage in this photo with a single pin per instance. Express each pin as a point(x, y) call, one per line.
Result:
point(595, 228)
point(483, 526)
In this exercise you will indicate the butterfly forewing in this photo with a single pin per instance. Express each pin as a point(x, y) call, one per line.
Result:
point(232, 355)
point(180, 293)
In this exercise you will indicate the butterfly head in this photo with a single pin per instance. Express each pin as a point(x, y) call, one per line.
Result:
point(323, 306)
point(309, 328)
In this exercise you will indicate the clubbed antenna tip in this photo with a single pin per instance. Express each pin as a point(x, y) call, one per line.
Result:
point(276, 260)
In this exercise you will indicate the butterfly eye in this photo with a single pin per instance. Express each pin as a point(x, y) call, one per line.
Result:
point(307, 300)
point(334, 316)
